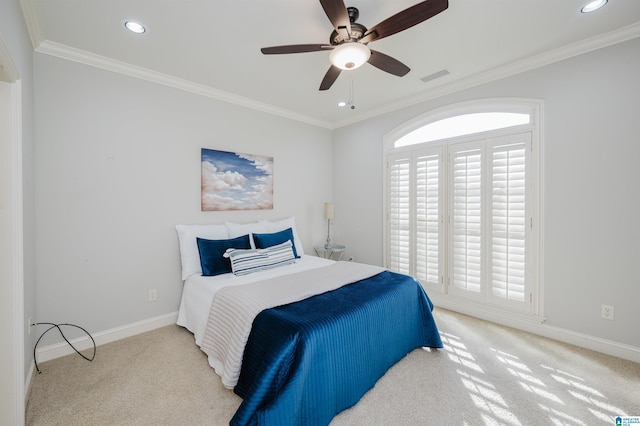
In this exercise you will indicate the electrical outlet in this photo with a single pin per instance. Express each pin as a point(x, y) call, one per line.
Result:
point(607, 312)
point(153, 295)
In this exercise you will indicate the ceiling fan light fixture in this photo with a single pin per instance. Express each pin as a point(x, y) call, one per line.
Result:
point(592, 6)
point(349, 55)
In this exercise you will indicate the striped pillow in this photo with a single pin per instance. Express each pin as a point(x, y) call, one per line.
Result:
point(247, 261)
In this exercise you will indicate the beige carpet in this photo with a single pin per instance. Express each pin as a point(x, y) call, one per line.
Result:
point(486, 375)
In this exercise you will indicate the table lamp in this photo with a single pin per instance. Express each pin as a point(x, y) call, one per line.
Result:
point(328, 214)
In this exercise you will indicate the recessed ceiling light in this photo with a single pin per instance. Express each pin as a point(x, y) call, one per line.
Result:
point(342, 103)
point(134, 27)
point(593, 6)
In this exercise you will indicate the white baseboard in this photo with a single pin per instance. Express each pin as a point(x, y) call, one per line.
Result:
point(27, 382)
point(530, 324)
point(58, 350)
point(536, 325)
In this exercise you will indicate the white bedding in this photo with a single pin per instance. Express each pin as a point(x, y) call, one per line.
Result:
point(221, 320)
point(234, 308)
point(198, 291)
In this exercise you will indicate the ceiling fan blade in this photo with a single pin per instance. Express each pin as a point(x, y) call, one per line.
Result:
point(388, 64)
point(406, 19)
point(337, 13)
point(295, 48)
point(330, 77)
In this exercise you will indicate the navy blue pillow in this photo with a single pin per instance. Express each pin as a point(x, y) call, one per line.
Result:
point(270, 240)
point(211, 252)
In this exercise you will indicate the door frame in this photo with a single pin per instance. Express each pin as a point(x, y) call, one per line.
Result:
point(13, 330)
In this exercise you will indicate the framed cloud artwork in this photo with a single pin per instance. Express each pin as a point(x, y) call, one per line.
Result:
point(234, 181)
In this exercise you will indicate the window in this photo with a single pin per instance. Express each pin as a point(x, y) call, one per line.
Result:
point(461, 208)
point(414, 209)
point(465, 124)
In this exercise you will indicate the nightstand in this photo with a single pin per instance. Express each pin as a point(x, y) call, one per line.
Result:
point(331, 251)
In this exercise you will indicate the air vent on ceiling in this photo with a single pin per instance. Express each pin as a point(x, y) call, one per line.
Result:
point(435, 75)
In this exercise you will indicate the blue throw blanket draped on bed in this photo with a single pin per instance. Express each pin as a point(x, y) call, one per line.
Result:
point(307, 361)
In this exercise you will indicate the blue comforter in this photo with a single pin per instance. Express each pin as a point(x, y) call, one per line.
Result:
point(307, 361)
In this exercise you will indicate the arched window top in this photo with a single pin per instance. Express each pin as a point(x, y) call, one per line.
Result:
point(461, 125)
point(465, 119)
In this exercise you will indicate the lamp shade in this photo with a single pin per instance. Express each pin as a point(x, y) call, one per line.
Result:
point(328, 210)
point(349, 55)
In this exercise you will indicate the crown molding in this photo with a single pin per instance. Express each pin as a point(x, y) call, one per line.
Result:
point(31, 20)
point(579, 48)
point(87, 58)
point(8, 71)
point(77, 55)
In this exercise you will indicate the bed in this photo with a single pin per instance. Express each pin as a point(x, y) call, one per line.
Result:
point(302, 338)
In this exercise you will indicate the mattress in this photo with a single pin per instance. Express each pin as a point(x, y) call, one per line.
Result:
point(198, 291)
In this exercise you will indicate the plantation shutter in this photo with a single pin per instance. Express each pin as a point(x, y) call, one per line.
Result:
point(427, 219)
point(508, 217)
point(466, 218)
point(485, 187)
point(399, 221)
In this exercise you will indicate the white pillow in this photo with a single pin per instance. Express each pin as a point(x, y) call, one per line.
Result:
point(281, 225)
point(245, 262)
point(189, 254)
point(240, 229)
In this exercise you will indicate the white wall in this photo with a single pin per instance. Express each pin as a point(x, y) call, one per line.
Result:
point(118, 166)
point(591, 174)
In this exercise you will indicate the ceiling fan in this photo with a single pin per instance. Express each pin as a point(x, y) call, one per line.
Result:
point(348, 41)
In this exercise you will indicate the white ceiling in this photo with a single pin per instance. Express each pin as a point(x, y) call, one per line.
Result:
point(213, 47)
